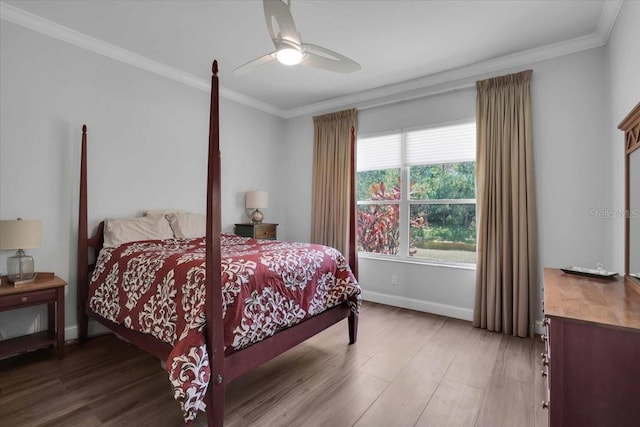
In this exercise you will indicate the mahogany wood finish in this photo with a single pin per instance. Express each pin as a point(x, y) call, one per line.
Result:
point(593, 347)
point(46, 289)
point(214, 329)
point(83, 251)
point(608, 302)
point(224, 368)
point(631, 128)
point(159, 349)
point(240, 362)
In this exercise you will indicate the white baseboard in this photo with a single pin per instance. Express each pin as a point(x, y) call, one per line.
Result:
point(95, 328)
point(71, 333)
point(419, 305)
point(430, 307)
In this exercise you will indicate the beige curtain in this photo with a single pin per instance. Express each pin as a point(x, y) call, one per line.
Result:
point(506, 275)
point(333, 202)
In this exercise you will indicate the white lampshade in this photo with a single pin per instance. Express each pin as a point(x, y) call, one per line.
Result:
point(20, 233)
point(256, 200)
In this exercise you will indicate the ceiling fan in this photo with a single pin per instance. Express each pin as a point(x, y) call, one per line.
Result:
point(289, 49)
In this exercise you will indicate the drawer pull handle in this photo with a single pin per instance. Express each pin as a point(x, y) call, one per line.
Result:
point(544, 373)
point(545, 322)
point(545, 404)
point(24, 299)
point(543, 338)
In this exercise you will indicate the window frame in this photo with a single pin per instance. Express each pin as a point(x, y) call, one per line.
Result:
point(405, 202)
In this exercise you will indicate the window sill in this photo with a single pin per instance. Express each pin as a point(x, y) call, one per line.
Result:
point(411, 260)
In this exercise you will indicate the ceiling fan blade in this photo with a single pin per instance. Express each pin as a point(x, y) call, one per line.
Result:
point(255, 64)
point(279, 12)
point(320, 57)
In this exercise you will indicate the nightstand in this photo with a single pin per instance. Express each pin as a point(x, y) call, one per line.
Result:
point(46, 289)
point(257, 231)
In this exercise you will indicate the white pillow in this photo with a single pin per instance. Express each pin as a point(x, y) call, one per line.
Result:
point(120, 231)
point(161, 212)
point(187, 225)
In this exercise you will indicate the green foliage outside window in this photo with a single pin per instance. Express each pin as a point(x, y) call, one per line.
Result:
point(434, 228)
point(444, 181)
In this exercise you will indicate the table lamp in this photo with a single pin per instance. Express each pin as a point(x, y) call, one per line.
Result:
point(256, 200)
point(20, 234)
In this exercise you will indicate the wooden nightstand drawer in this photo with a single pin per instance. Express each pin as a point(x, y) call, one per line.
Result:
point(257, 231)
point(27, 299)
point(45, 289)
point(265, 232)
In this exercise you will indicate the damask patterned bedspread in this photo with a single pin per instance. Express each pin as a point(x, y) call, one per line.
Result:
point(157, 287)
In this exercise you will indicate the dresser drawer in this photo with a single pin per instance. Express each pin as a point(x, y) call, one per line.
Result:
point(32, 298)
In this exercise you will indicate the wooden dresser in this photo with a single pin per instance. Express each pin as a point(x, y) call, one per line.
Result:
point(592, 354)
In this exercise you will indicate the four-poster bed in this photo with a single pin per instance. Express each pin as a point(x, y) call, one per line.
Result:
point(208, 355)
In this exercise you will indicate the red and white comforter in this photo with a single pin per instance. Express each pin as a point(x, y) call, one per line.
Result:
point(157, 287)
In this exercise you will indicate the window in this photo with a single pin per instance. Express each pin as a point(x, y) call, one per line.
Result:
point(415, 192)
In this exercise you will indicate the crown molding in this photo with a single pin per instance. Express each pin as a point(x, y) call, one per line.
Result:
point(423, 86)
point(410, 89)
point(49, 28)
point(608, 18)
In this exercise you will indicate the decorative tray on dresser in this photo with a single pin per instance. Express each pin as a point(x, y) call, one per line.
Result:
point(592, 352)
point(590, 272)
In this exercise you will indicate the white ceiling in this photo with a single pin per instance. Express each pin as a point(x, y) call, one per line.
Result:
point(400, 44)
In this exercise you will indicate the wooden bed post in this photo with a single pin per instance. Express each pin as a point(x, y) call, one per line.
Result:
point(214, 333)
point(83, 250)
point(353, 254)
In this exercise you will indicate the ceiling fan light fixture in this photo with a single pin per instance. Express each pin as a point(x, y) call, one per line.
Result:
point(289, 50)
point(289, 56)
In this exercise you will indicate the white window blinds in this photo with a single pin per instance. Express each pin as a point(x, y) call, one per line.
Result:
point(447, 144)
point(379, 152)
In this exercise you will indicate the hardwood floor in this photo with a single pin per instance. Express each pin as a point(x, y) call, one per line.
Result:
point(407, 369)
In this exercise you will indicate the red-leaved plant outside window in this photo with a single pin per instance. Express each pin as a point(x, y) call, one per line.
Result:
point(433, 216)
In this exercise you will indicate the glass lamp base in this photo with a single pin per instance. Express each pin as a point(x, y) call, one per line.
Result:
point(256, 216)
point(20, 267)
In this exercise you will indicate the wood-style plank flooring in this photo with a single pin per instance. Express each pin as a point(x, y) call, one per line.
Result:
point(407, 369)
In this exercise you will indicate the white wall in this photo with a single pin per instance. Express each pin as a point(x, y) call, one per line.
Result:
point(569, 130)
point(435, 289)
point(295, 170)
point(140, 121)
point(623, 61)
point(147, 145)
